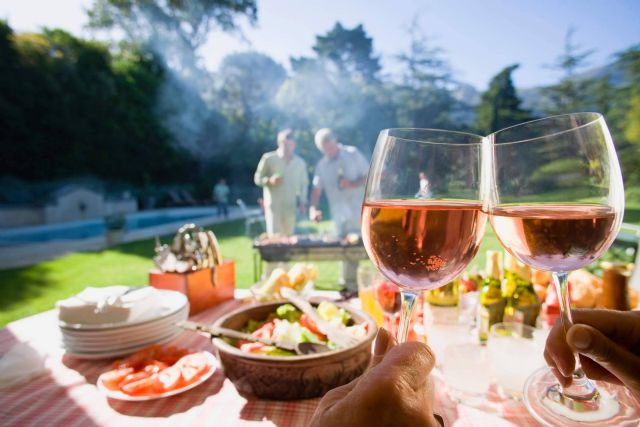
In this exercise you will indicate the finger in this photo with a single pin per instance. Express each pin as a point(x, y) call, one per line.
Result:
point(619, 326)
point(590, 342)
point(335, 395)
point(384, 343)
point(564, 381)
point(410, 362)
point(559, 351)
point(596, 372)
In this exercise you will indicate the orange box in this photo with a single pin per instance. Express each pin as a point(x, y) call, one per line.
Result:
point(204, 288)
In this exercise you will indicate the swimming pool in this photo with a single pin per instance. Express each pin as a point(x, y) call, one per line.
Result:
point(80, 230)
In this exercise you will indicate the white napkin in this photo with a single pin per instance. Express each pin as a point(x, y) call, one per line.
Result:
point(108, 305)
point(20, 364)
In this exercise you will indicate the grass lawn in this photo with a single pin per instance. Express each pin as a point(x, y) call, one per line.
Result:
point(30, 290)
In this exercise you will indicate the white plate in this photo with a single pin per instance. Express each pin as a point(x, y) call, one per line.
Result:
point(114, 394)
point(115, 352)
point(149, 328)
point(171, 302)
point(92, 347)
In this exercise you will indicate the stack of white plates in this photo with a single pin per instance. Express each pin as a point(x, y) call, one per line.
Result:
point(97, 341)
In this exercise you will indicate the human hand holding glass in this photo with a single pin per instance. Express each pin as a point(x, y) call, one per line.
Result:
point(556, 201)
point(422, 243)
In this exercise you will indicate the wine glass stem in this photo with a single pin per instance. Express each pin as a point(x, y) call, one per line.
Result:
point(562, 289)
point(581, 387)
point(406, 311)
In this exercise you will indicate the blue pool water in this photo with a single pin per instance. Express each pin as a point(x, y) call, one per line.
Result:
point(88, 229)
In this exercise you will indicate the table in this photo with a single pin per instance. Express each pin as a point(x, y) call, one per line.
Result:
point(67, 395)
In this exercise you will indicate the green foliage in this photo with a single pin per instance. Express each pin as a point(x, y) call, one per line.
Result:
point(69, 108)
point(339, 89)
point(188, 20)
point(424, 98)
point(500, 106)
point(570, 94)
point(350, 52)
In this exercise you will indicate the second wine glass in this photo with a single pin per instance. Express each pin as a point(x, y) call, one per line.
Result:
point(422, 216)
point(556, 204)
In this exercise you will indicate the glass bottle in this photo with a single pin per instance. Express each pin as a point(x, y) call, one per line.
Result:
point(523, 305)
point(491, 309)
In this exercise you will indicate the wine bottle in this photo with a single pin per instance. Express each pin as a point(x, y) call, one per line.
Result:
point(523, 305)
point(510, 280)
point(445, 296)
point(491, 309)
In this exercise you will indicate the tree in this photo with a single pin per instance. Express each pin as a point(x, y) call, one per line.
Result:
point(185, 24)
point(500, 106)
point(338, 88)
point(424, 64)
point(350, 52)
point(628, 108)
point(424, 98)
point(248, 83)
point(174, 29)
point(571, 93)
point(69, 107)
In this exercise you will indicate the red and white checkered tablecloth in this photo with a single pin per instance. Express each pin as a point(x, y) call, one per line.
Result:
point(67, 395)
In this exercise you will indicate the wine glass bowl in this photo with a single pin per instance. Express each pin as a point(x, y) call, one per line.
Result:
point(422, 216)
point(555, 199)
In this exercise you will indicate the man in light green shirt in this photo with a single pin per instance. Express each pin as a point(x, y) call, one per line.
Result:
point(283, 178)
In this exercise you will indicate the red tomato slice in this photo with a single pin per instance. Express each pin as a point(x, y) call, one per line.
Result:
point(190, 374)
point(145, 386)
point(311, 326)
point(155, 367)
point(136, 376)
point(195, 360)
point(170, 378)
point(264, 331)
point(112, 379)
point(252, 347)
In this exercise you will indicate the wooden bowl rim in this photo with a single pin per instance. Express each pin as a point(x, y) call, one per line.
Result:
point(221, 345)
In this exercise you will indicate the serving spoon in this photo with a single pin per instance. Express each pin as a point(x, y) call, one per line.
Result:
point(303, 348)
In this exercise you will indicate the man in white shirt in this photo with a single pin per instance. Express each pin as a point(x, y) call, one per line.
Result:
point(341, 174)
point(283, 178)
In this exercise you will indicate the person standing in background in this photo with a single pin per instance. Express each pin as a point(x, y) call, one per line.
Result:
point(221, 197)
point(283, 177)
point(341, 174)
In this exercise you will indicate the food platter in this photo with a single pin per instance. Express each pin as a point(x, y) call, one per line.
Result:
point(119, 395)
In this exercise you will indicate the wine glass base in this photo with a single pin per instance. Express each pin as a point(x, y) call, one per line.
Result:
point(615, 406)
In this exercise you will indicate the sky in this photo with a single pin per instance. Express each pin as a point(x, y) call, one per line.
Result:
point(479, 37)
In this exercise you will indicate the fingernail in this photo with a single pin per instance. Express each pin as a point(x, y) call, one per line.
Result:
point(382, 340)
point(581, 338)
point(564, 370)
point(562, 379)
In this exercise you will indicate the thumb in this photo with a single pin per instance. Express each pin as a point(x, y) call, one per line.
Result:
point(590, 342)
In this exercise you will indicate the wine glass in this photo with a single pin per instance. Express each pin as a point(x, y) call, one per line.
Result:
point(556, 202)
point(421, 240)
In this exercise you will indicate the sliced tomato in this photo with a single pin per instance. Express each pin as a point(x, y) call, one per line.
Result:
point(190, 374)
point(195, 360)
point(311, 326)
point(252, 347)
point(264, 331)
point(170, 378)
point(155, 366)
point(113, 378)
point(136, 376)
point(145, 386)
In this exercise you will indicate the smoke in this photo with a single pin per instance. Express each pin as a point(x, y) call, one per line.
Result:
point(186, 102)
